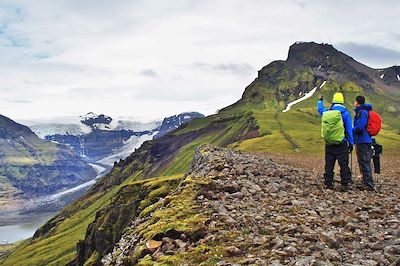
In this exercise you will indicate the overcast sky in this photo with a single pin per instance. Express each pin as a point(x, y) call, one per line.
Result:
point(150, 59)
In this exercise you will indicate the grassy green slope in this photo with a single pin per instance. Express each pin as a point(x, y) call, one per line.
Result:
point(56, 242)
point(298, 130)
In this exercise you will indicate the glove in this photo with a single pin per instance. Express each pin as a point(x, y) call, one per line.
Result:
point(350, 148)
point(321, 98)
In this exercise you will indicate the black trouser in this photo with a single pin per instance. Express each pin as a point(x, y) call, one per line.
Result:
point(340, 153)
point(377, 164)
point(364, 154)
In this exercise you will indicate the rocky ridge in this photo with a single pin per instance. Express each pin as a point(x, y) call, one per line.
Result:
point(257, 212)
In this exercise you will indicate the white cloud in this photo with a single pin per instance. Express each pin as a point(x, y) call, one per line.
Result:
point(156, 58)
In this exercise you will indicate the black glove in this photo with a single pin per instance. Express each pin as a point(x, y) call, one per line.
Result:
point(350, 148)
point(321, 98)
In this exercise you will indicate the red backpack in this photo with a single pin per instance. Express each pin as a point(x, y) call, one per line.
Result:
point(374, 123)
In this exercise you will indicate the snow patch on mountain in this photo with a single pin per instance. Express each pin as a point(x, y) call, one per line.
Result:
point(88, 116)
point(398, 77)
point(381, 76)
point(306, 96)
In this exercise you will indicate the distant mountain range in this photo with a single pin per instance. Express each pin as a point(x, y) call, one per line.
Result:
point(43, 129)
point(102, 137)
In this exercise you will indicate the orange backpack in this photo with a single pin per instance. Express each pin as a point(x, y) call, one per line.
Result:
point(374, 123)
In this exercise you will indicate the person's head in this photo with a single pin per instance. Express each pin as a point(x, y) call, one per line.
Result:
point(338, 98)
point(360, 100)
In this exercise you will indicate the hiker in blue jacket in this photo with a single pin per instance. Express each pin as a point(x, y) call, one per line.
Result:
point(363, 141)
point(339, 152)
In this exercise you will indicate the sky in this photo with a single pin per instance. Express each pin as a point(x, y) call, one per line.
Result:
point(150, 59)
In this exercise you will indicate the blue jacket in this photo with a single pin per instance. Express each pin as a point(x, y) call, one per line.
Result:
point(345, 116)
point(361, 135)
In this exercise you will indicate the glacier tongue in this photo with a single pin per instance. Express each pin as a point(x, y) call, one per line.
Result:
point(306, 96)
point(129, 147)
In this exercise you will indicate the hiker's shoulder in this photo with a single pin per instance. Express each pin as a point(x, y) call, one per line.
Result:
point(340, 108)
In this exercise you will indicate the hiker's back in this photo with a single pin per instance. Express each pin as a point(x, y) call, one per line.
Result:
point(332, 127)
point(361, 135)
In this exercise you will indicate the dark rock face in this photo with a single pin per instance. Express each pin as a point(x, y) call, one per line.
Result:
point(173, 122)
point(312, 54)
point(113, 219)
point(35, 166)
point(91, 119)
point(390, 75)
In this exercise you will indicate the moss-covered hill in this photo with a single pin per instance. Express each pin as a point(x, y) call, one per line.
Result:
point(87, 230)
point(35, 166)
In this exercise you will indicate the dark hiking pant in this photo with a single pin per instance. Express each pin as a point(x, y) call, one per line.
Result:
point(364, 154)
point(340, 153)
point(377, 163)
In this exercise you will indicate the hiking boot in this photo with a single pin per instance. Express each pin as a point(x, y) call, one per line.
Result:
point(345, 187)
point(366, 187)
point(329, 186)
point(369, 188)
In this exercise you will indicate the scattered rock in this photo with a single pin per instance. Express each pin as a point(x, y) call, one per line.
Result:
point(331, 254)
point(232, 251)
point(153, 245)
point(180, 243)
